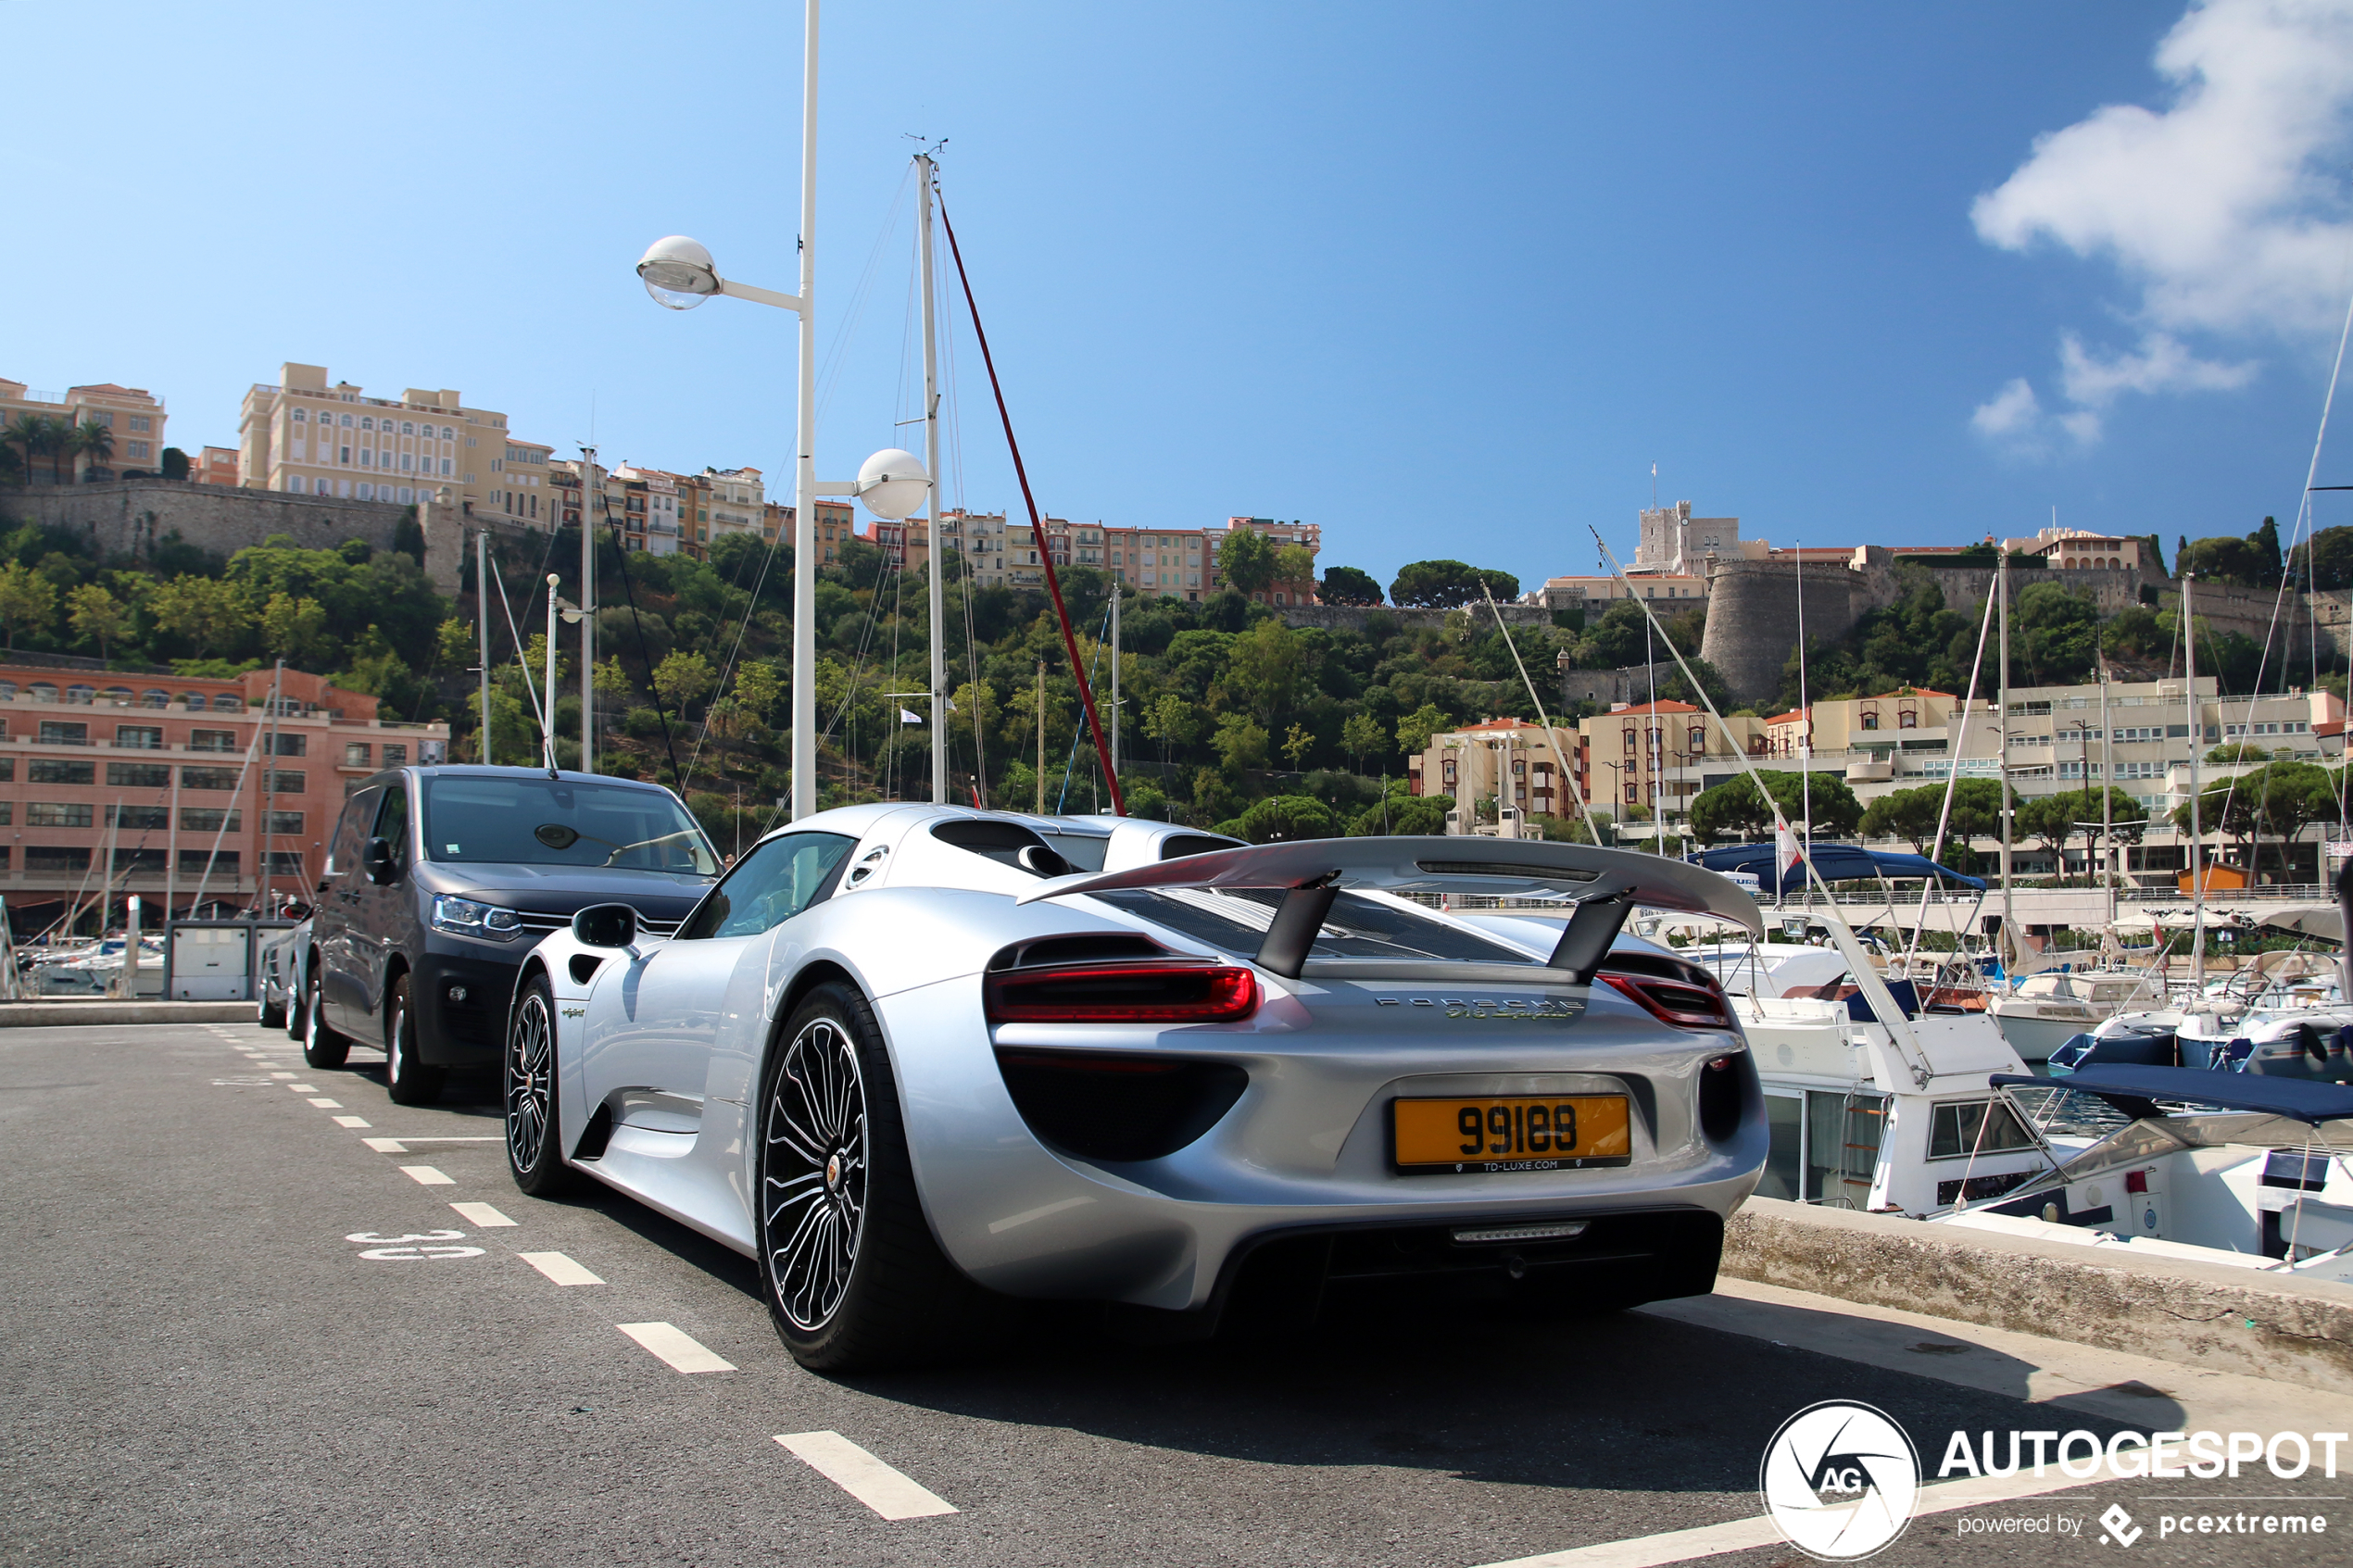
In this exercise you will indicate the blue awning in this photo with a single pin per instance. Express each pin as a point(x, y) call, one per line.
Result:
point(2131, 1088)
point(1837, 862)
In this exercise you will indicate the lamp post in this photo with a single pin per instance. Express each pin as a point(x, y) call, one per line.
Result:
point(680, 274)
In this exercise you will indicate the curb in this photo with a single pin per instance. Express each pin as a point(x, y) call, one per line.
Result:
point(50, 1015)
point(2176, 1310)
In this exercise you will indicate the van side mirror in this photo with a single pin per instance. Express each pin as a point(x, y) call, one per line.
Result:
point(605, 925)
point(377, 857)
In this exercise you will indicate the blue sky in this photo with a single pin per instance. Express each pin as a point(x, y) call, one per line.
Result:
point(1446, 279)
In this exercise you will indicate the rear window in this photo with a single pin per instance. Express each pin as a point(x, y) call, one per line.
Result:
point(1358, 927)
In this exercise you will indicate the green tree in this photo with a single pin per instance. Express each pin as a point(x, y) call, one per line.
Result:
point(93, 441)
point(206, 612)
point(1347, 586)
point(1295, 565)
point(454, 644)
point(614, 685)
point(1239, 743)
point(97, 616)
point(2326, 562)
point(1172, 721)
point(683, 679)
point(1298, 743)
point(1282, 817)
point(2279, 800)
point(759, 687)
point(28, 600)
point(1402, 814)
point(1262, 669)
point(1247, 559)
point(1414, 730)
point(1736, 806)
point(2249, 562)
point(1434, 584)
point(1361, 735)
point(1907, 814)
point(293, 628)
point(175, 463)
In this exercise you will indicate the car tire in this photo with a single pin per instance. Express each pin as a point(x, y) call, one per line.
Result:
point(409, 1081)
point(322, 1047)
point(853, 1279)
point(264, 1014)
point(535, 1126)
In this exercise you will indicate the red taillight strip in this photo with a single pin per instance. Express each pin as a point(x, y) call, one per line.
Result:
point(1122, 993)
point(1674, 1002)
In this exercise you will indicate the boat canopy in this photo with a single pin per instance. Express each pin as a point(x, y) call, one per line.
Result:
point(2134, 1089)
point(1837, 862)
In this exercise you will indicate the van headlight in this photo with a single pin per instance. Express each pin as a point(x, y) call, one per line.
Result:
point(466, 917)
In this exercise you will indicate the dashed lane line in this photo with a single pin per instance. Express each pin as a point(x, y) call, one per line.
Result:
point(282, 1075)
point(675, 1347)
point(887, 1491)
point(329, 1105)
point(482, 1214)
point(301, 1089)
point(386, 1145)
point(1741, 1535)
point(563, 1271)
point(425, 1175)
point(352, 1121)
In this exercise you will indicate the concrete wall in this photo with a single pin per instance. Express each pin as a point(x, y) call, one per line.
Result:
point(1602, 687)
point(129, 516)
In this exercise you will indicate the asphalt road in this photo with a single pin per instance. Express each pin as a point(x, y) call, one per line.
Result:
point(203, 1363)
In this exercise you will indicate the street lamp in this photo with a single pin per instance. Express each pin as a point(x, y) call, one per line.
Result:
point(680, 275)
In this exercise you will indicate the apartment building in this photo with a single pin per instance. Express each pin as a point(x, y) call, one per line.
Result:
point(518, 484)
point(1510, 761)
point(656, 509)
point(167, 786)
point(134, 415)
point(1658, 755)
point(2078, 549)
point(214, 465)
point(978, 539)
point(302, 436)
point(906, 544)
point(1162, 562)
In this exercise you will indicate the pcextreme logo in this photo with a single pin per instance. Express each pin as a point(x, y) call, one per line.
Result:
point(1839, 1480)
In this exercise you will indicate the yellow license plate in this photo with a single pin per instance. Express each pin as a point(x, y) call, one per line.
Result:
point(1513, 1132)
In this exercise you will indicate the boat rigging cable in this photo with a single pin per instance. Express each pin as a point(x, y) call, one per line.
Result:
point(646, 657)
point(1952, 783)
point(1037, 524)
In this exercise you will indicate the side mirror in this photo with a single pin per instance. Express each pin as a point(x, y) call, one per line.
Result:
point(605, 925)
point(377, 857)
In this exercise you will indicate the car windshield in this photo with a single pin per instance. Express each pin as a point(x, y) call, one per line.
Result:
point(1357, 927)
point(538, 821)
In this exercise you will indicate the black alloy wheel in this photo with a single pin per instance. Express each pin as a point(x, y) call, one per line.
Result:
point(853, 1279)
point(534, 1136)
point(409, 1081)
point(322, 1047)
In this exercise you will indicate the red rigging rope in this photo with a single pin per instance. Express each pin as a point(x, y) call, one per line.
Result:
point(1036, 527)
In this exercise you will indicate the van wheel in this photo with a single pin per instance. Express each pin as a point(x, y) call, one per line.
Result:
point(853, 1280)
point(409, 1081)
point(322, 1047)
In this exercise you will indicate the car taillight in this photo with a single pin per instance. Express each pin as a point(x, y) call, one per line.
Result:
point(1675, 1001)
point(1122, 993)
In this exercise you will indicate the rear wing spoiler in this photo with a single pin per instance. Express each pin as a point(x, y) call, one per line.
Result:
point(1602, 884)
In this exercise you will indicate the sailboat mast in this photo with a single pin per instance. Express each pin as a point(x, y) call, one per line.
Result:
point(804, 520)
point(1804, 725)
point(937, 595)
point(2197, 828)
point(2002, 588)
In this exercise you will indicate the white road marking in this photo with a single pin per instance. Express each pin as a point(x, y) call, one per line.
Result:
point(864, 1476)
point(351, 1122)
point(1740, 1534)
point(300, 1088)
point(563, 1271)
point(386, 1145)
point(282, 1075)
point(425, 1175)
point(675, 1347)
point(486, 1137)
point(328, 1104)
point(482, 1214)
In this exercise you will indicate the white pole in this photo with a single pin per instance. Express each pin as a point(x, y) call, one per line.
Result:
point(547, 728)
point(587, 618)
point(936, 597)
point(2108, 777)
point(2002, 588)
point(171, 851)
point(804, 529)
point(1805, 724)
point(482, 613)
point(2197, 828)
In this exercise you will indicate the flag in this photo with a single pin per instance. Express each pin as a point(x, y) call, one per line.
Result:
point(1787, 852)
point(907, 716)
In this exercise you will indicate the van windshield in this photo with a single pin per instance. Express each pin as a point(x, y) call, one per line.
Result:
point(562, 822)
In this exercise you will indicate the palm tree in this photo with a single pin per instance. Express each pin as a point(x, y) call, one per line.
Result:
point(93, 441)
point(30, 433)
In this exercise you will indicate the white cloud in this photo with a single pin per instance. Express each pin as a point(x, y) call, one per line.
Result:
point(2014, 411)
point(2225, 209)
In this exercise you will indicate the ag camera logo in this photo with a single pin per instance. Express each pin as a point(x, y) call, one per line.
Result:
point(1839, 1480)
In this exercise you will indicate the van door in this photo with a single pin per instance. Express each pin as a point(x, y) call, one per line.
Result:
point(381, 915)
point(339, 884)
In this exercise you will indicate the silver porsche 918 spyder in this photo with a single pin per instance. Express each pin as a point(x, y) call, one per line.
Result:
point(919, 1061)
